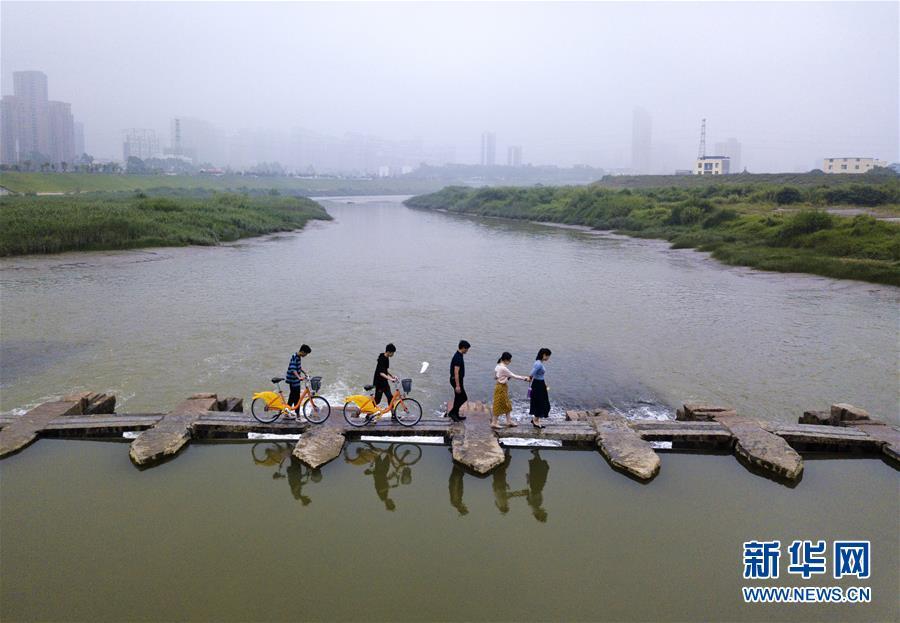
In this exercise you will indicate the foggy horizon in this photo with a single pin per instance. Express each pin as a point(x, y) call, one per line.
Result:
point(792, 82)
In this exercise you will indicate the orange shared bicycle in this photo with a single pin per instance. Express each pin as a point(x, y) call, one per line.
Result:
point(269, 406)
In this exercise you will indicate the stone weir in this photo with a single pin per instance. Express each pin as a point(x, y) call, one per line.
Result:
point(630, 446)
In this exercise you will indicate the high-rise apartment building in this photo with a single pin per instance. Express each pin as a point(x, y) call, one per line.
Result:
point(514, 156)
point(488, 149)
point(79, 139)
point(62, 132)
point(732, 149)
point(641, 141)
point(9, 129)
point(140, 143)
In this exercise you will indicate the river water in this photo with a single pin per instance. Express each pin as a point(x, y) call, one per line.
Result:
point(225, 532)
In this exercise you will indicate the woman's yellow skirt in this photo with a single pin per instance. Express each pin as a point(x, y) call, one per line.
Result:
point(502, 404)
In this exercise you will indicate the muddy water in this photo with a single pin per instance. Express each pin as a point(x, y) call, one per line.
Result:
point(395, 532)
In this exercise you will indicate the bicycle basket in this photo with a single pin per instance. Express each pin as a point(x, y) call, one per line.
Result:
point(315, 383)
point(407, 385)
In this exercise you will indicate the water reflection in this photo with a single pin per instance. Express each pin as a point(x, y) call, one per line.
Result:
point(533, 493)
point(298, 475)
point(388, 464)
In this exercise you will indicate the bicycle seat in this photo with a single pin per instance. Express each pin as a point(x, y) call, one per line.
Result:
point(278, 379)
point(368, 387)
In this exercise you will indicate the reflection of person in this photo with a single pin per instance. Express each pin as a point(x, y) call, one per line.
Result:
point(502, 404)
point(457, 374)
point(538, 469)
point(297, 478)
point(383, 374)
point(380, 475)
point(540, 399)
point(456, 489)
point(502, 493)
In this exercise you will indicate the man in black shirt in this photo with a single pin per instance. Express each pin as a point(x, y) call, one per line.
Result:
point(457, 374)
point(383, 375)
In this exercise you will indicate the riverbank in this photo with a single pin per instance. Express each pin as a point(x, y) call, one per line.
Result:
point(73, 183)
point(777, 228)
point(127, 221)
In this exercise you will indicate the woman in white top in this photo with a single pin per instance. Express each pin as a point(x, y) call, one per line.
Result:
point(502, 404)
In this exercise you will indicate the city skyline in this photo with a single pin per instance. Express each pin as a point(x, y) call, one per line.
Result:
point(564, 109)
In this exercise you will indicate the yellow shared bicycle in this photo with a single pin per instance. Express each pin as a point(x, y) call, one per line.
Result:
point(269, 406)
point(361, 409)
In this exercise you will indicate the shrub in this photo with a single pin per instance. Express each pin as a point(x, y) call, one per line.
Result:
point(788, 195)
point(805, 222)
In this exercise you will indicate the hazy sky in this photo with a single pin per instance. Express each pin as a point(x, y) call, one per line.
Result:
point(792, 81)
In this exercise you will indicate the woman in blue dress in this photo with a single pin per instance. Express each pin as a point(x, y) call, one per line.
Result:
point(540, 400)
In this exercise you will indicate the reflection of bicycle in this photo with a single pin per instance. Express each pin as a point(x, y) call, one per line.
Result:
point(389, 467)
point(298, 475)
point(268, 406)
point(362, 410)
point(269, 453)
point(400, 454)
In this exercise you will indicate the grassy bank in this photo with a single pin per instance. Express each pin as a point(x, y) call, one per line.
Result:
point(818, 179)
point(770, 227)
point(108, 182)
point(119, 221)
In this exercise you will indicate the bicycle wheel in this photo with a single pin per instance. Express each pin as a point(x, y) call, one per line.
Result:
point(263, 412)
point(316, 409)
point(407, 453)
point(408, 411)
point(354, 415)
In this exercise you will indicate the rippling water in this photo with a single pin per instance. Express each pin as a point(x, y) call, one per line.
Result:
point(633, 324)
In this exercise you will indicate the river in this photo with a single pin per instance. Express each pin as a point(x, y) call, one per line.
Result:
point(225, 532)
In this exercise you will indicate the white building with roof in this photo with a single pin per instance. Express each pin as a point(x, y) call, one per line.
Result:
point(851, 165)
point(712, 165)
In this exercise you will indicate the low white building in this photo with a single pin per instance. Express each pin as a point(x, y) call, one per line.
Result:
point(851, 165)
point(713, 165)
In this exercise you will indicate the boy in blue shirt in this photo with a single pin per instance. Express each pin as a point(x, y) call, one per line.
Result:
point(295, 376)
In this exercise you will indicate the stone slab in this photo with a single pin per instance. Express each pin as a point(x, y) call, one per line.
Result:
point(623, 447)
point(319, 445)
point(843, 412)
point(172, 432)
point(473, 441)
point(887, 436)
point(762, 448)
point(701, 411)
point(25, 428)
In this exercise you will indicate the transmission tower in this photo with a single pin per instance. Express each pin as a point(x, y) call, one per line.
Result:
point(701, 153)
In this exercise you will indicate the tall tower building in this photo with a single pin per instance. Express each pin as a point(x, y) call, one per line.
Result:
point(488, 149)
point(62, 132)
point(9, 129)
point(732, 149)
point(79, 139)
point(33, 120)
point(641, 141)
point(514, 156)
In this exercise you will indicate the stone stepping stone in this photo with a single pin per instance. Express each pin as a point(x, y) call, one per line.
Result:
point(473, 441)
point(172, 432)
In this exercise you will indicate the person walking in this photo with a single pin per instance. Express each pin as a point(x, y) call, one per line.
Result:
point(502, 403)
point(540, 399)
point(383, 375)
point(295, 375)
point(457, 374)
